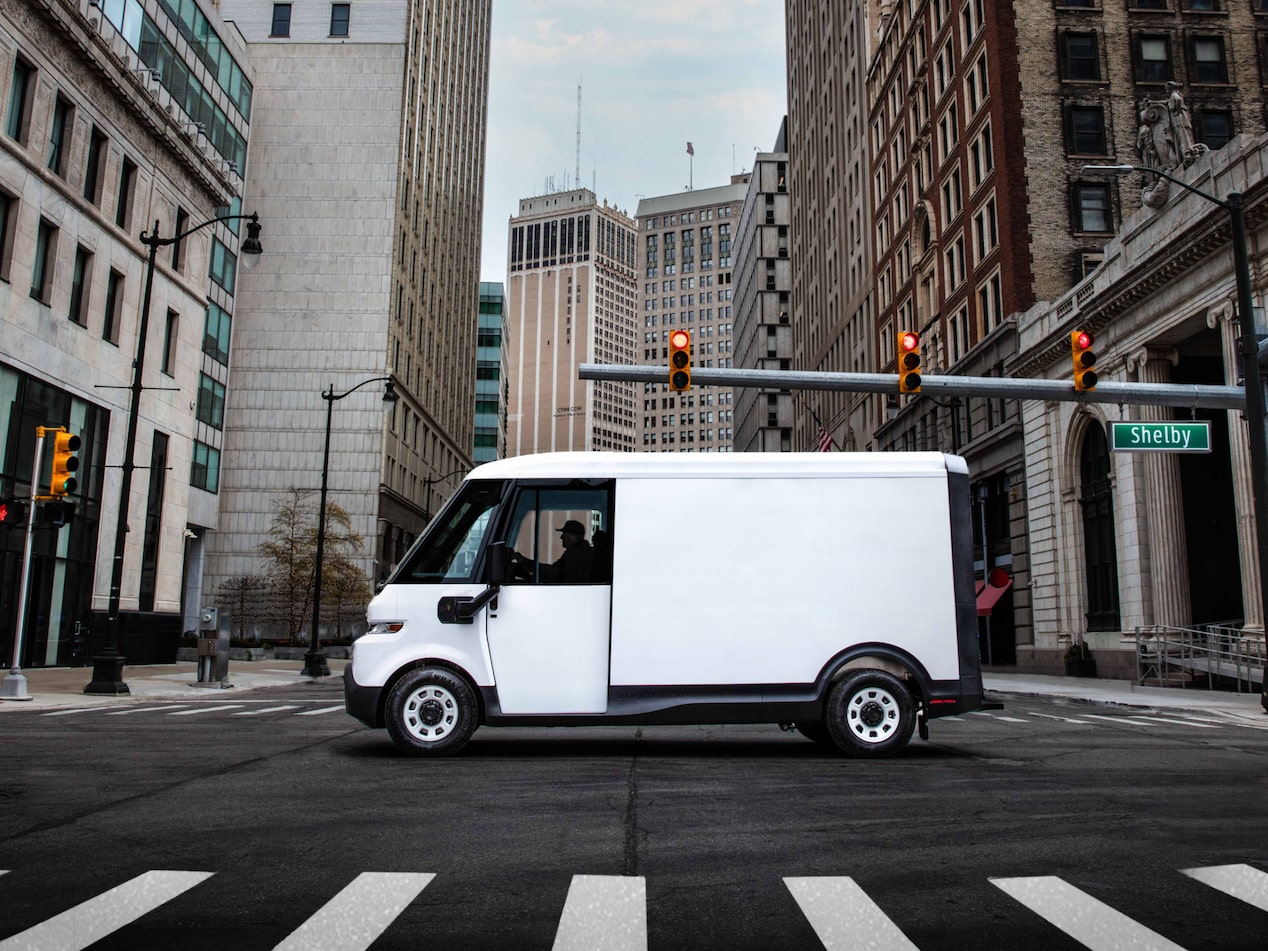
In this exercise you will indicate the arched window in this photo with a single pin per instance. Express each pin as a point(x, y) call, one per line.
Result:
point(1099, 558)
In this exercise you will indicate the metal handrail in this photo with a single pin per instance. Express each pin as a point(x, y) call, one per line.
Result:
point(1169, 654)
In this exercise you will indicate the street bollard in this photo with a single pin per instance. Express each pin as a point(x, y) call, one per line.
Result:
point(213, 648)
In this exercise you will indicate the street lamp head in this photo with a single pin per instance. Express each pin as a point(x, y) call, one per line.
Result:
point(389, 392)
point(251, 248)
point(1110, 169)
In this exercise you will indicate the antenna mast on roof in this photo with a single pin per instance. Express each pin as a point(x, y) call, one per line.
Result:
point(578, 133)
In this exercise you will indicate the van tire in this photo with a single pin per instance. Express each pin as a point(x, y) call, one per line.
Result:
point(870, 713)
point(431, 712)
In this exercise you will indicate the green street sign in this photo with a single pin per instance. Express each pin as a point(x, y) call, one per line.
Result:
point(1160, 437)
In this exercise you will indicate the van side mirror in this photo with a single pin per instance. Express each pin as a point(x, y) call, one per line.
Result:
point(499, 563)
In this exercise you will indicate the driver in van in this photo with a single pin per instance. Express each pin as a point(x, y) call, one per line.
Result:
point(574, 566)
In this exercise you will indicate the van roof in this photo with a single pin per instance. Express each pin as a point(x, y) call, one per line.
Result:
point(569, 465)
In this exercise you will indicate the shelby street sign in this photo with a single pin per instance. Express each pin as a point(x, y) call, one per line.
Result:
point(1160, 437)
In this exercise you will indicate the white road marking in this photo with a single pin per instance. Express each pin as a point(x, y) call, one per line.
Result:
point(256, 713)
point(1087, 920)
point(189, 713)
point(1011, 719)
point(604, 913)
point(843, 917)
point(98, 917)
point(1050, 716)
point(354, 918)
point(1196, 726)
point(166, 706)
point(66, 713)
point(1240, 881)
point(317, 713)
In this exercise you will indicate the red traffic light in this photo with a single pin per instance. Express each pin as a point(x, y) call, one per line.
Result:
point(679, 360)
point(12, 512)
point(1083, 339)
point(908, 341)
point(679, 339)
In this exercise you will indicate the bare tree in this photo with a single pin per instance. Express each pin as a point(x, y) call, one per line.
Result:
point(244, 595)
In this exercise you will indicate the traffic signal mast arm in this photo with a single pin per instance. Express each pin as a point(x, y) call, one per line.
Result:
point(1138, 394)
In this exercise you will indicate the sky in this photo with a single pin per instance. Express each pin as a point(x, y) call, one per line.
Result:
point(654, 75)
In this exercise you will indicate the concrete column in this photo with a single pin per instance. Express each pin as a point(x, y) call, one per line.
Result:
point(1168, 558)
point(1223, 318)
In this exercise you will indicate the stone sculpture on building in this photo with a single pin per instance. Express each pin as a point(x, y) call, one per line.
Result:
point(1165, 142)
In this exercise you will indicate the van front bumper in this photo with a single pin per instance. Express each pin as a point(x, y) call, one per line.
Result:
point(361, 702)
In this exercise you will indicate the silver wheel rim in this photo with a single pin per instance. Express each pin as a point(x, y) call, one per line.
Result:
point(873, 715)
point(430, 713)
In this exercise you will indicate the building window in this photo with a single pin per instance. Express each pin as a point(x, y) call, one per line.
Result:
point(97, 145)
point(1215, 127)
point(281, 20)
point(981, 157)
point(340, 13)
point(127, 183)
point(1091, 207)
point(204, 471)
point(45, 259)
point(59, 135)
point(171, 337)
point(20, 100)
point(1147, 4)
point(1153, 59)
point(78, 310)
point(985, 229)
point(1208, 60)
point(1079, 59)
point(224, 265)
point(216, 334)
point(1085, 130)
point(8, 223)
point(114, 300)
point(182, 225)
point(211, 402)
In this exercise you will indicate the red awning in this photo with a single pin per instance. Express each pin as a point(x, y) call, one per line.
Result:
point(988, 595)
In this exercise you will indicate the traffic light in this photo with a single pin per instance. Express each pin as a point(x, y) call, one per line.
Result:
point(680, 360)
point(65, 462)
point(909, 362)
point(56, 514)
point(12, 513)
point(1084, 360)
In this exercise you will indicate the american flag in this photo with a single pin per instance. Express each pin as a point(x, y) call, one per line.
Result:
point(825, 440)
point(690, 149)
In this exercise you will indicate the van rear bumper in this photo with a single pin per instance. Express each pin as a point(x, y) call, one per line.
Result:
point(361, 702)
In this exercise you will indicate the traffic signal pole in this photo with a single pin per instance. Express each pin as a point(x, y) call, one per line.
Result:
point(14, 685)
point(1143, 394)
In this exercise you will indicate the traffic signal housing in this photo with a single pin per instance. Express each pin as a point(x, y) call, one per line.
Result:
point(62, 482)
point(12, 513)
point(679, 360)
point(1084, 359)
point(909, 362)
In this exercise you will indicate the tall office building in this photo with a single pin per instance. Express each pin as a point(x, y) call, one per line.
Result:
point(685, 261)
point(571, 288)
point(118, 119)
point(368, 175)
point(829, 182)
point(491, 383)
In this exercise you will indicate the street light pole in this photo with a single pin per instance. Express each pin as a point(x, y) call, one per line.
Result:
point(315, 664)
point(107, 669)
point(1248, 347)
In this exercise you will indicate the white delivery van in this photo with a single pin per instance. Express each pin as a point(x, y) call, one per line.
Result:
point(833, 591)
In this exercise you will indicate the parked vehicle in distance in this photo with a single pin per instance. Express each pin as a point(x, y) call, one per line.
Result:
point(833, 591)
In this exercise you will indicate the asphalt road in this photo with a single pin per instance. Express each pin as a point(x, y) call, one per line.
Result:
point(715, 837)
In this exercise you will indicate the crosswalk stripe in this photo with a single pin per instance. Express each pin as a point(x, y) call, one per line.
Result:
point(1196, 726)
point(604, 913)
point(92, 920)
point(843, 917)
point(354, 918)
point(166, 706)
point(256, 713)
point(1190, 716)
point(1099, 716)
point(1012, 719)
point(1087, 920)
point(197, 710)
point(1240, 881)
point(317, 713)
point(67, 713)
point(1049, 716)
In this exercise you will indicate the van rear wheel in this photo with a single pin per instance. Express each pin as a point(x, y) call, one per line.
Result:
point(431, 712)
point(870, 713)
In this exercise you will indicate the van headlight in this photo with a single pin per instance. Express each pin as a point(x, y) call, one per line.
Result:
point(385, 627)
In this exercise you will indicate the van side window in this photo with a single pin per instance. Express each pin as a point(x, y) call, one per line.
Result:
point(562, 535)
point(450, 547)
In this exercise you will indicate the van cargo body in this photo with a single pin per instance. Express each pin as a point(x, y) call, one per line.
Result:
point(830, 591)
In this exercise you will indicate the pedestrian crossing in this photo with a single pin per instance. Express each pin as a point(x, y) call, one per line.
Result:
point(609, 913)
point(245, 708)
point(1145, 721)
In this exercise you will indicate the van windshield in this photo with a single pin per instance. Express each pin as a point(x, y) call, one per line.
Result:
point(449, 550)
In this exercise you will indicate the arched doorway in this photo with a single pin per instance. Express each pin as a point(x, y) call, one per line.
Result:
point(1100, 561)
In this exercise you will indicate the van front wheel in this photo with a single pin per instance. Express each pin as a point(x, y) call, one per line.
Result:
point(870, 713)
point(431, 712)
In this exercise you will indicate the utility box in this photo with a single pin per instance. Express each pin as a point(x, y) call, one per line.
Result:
point(213, 648)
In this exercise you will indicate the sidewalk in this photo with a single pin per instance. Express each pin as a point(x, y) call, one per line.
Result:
point(60, 687)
